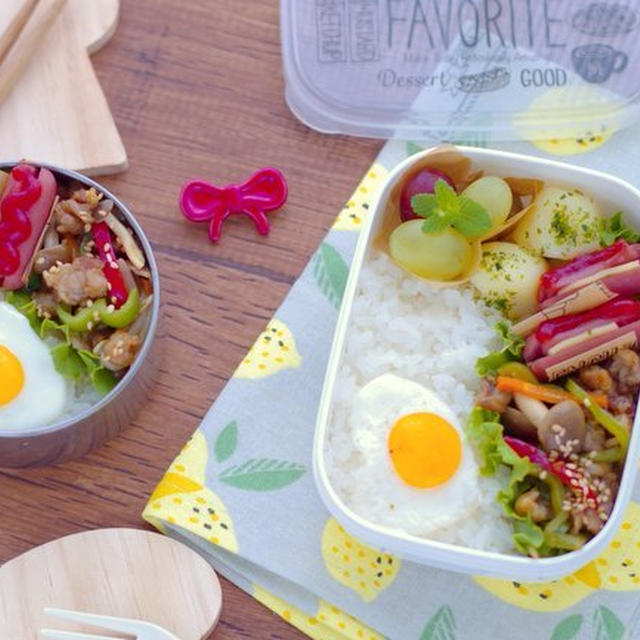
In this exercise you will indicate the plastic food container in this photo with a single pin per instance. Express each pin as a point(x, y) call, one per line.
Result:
point(611, 194)
point(445, 70)
point(80, 434)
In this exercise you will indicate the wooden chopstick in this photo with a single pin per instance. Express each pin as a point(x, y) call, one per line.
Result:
point(23, 49)
point(9, 37)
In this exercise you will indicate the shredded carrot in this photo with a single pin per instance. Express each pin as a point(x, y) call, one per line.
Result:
point(544, 393)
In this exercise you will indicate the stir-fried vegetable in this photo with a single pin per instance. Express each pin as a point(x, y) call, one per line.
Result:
point(100, 311)
point(615, 428)
point(104, 245)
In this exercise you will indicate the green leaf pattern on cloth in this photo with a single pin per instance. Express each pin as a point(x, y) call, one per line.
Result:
point(262, 474)
point(226, 442)
point(442, 626)
point(331, 272)
point(568, 629)
point(607, 625)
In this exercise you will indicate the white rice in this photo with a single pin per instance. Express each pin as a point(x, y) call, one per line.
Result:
point(401, 325)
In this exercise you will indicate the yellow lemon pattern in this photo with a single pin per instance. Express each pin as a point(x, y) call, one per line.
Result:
point(580, 143)
point(362, 201)
point(274, 350)
point(365, 570)
point(617, 569)
point(329, 623)
point(182, 499)
point(565, 136)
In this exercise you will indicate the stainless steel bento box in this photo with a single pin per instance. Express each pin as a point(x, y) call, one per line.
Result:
point(76, 436)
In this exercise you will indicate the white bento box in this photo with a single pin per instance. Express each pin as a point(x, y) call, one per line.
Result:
point(612, 194)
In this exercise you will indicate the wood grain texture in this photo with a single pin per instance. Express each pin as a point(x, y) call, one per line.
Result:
point(196, 90)
point(126, 573)
point(58, 85)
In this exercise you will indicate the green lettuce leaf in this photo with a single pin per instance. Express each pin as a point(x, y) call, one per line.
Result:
point(512, 347)
point(486, 435)
point(69, 362)
point(615, 229)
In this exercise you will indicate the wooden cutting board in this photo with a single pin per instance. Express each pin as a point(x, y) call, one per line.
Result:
point(118, 572)
point(58, 113)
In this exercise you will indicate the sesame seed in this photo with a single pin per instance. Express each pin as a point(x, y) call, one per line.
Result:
point(106, 247)
point(89, 325)
point(114, 299)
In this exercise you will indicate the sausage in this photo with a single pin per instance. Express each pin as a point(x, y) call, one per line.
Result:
point(586, 353)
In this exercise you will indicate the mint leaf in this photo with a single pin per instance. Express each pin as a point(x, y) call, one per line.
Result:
point(446, 196)
point(424, 204)
point(472, 220)
point(436, 224)
point(451, 210)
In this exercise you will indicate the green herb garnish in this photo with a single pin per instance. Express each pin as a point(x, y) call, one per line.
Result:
point(445, 208)
point(615, 229)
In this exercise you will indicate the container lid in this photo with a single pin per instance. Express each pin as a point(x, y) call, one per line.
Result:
point(452, 69)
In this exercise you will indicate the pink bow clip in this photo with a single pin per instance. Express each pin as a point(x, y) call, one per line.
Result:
point(264, 191)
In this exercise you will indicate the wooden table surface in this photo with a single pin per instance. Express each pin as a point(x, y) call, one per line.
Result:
point(196, 88)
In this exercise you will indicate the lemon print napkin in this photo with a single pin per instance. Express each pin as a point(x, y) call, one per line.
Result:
point(242, 491)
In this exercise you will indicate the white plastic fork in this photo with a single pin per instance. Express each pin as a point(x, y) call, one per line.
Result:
point(137, 629)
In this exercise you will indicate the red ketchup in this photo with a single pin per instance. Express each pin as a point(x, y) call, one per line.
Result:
point(622, 311)
point(582, 266)
point(15, 226)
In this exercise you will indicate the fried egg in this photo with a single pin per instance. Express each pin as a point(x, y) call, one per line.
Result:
point(32, 392)
point(415, 471)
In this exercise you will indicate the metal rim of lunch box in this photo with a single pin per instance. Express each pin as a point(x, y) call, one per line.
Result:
point(150, 336)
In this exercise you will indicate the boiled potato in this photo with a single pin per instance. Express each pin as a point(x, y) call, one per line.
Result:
point(495, 195)
point(562, 223)
point(437, 256)
point(508, 277)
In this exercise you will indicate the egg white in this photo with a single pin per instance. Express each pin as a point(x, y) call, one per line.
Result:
point(45, 393)
point(383, 497)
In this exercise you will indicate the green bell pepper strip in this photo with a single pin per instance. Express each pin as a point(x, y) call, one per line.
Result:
point(604, 418)
point(556, 492)
point(99, 312)
point(555, 538)
point(615, 454)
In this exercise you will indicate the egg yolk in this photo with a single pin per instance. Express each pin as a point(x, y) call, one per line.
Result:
point(11, 376)
point(425, 449)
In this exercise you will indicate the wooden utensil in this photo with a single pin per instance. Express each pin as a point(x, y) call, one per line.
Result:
point(57, 111)
point(118, 572)
point(23, 49)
